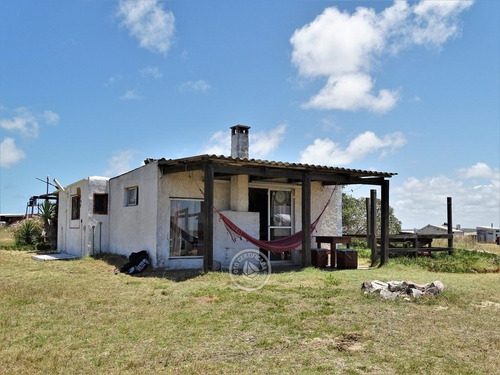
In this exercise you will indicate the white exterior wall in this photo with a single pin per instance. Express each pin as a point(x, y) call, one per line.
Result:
point(224, 247)
point(330, 223)
point(82, 237)
point(146, 226)
point(183, 186)
point(97, 225)
point(487, 234)
point(133, 228)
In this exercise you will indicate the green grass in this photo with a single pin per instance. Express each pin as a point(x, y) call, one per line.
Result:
point(461, 261)
point(80, 317)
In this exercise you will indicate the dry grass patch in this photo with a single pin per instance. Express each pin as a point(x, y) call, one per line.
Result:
point(79, 317)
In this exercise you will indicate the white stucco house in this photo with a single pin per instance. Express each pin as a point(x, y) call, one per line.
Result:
point(166, 207)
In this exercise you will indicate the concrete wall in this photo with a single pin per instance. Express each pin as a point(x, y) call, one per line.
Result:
point(146, 226)
point(224, 247)
point(330, 223)
point(487, 234)
point(133, 228)
point(83, 237)
point(183, 186)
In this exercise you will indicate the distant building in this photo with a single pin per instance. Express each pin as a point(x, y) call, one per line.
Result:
point(8, 219)
point(439, 229)
point(487, 234)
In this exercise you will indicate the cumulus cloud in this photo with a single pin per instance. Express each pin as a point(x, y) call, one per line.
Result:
point(120, 162)
point(10, 154)
point(421, 201)
point(346, 48)
point(265, 142)
point(327, 152)
point(27, 122)
point(478, 170)
point(50, 117)
point(261, 144)
point(151, 71)
point(352, 92)
point(195, 86)
point(149, 23)
point(219, 144)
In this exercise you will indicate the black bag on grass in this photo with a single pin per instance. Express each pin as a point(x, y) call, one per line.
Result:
point(137, 262)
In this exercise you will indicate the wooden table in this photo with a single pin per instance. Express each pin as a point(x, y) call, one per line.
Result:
point(333, 241)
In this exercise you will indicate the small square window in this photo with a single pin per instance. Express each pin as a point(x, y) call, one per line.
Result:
point(100, 204)
point(132, 196)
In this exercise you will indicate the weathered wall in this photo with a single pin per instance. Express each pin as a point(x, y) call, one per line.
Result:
point(71, 232)
point(183, 185)
point(224, 247)
point(98, 224)
point(76, 236)
point(133, 228)
point(330, 223)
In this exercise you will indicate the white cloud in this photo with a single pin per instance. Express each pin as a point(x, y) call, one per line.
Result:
point(418, 202)
point(437, 21)
point(24, 122)
point(345, 48)
point(265, 142)
point(28, 123)
point(152, 72)
point(130, 95)
point(478, 170)
point(219, 144)
point(327, 152)
point(120, 163)
point(10, 154)
point(261, 143)
point(352, 92)
point(50, 117)
point(149, 23)
point(196, 86)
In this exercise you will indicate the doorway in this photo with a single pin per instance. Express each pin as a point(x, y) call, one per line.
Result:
point(276, 217)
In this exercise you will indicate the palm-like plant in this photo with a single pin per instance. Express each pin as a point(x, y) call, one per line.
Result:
point(27, 233)
point(48, 212)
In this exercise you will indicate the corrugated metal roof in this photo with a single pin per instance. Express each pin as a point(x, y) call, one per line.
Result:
point(227, 160)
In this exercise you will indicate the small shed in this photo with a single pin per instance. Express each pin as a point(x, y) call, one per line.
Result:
point(487, 234)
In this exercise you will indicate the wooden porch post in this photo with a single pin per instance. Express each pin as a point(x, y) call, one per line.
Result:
point(372, 225)
point(208, 224)
point(450, 225)
point(384, 223)
point(306, 220)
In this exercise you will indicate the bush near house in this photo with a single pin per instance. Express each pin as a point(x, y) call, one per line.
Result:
point(28, 232)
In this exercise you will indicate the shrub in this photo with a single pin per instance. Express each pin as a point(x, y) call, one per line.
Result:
point(28, 232)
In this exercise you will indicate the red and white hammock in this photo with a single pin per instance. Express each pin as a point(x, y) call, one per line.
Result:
point(275, 246)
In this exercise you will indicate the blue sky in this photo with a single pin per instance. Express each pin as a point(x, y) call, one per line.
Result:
point(95, 87)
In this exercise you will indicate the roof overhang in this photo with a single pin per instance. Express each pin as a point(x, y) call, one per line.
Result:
point(224, 166)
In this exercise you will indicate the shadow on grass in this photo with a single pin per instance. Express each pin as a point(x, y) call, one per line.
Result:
point(173, 275)
point(118, 261)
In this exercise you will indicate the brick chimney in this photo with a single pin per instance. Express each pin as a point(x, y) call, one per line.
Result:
point(239, 141)
point(239, 183)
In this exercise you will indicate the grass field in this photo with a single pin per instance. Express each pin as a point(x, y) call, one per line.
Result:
point(79, 317)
